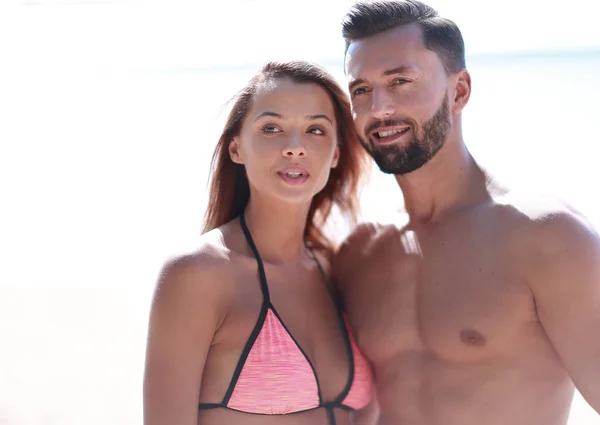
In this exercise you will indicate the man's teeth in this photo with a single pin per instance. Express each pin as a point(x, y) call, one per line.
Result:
point(389, 133)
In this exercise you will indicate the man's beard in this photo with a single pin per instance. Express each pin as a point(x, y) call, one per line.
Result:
point(395, 159)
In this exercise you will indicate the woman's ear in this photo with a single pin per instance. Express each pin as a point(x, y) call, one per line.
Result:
point(336, 157)
point(234, 150)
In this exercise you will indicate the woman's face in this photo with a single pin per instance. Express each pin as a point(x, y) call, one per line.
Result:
point(288, 140)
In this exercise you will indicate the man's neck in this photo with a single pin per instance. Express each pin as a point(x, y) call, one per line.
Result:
point(450, 181)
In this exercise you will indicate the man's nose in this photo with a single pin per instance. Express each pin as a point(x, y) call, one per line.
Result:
point(383, 104)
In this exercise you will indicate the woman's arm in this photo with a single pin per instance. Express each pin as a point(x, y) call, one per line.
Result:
point(186, 311)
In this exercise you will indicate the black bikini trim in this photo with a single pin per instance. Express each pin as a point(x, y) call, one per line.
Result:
point(261, 317)
point(337, 403)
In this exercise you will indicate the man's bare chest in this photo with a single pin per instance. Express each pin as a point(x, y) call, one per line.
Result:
point(458, 298)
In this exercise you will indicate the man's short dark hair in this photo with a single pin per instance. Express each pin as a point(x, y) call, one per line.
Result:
point(370, 17)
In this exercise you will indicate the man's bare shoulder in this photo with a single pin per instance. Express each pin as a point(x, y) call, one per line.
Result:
point(540, 209)
point(546, 223)
point(359, 251)
point(363, 240)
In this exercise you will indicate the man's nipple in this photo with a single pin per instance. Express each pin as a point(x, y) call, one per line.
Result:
point(472, 337)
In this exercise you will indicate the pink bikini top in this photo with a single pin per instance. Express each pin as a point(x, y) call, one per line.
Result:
point(274, 376)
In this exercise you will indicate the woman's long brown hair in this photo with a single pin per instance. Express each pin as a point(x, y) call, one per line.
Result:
point(229, 188)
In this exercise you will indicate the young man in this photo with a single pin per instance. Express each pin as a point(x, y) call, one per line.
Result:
point(483, 307)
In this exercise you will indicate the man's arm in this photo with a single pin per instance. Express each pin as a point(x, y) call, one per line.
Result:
point(350, 256)
point(565, 282)
point(347, 271)
point(368, 415)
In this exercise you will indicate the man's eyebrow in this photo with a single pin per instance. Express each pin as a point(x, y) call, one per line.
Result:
point(403, 69)
point(355, 83)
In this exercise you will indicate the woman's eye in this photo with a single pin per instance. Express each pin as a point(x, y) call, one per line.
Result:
point(270, 129)
point(317, 131)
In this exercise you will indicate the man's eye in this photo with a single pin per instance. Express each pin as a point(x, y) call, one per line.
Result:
point(399, 81)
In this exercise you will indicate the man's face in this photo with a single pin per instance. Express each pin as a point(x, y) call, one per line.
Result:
point(400, 98)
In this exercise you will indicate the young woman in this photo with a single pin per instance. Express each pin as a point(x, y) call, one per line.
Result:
point(247, 328)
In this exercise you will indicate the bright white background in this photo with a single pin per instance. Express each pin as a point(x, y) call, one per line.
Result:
point(109, 111)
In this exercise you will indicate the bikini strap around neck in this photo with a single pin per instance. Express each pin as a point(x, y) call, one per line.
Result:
point(261, 269)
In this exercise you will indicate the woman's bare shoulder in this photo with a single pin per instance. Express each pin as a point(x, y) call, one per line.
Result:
point(202, 271)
